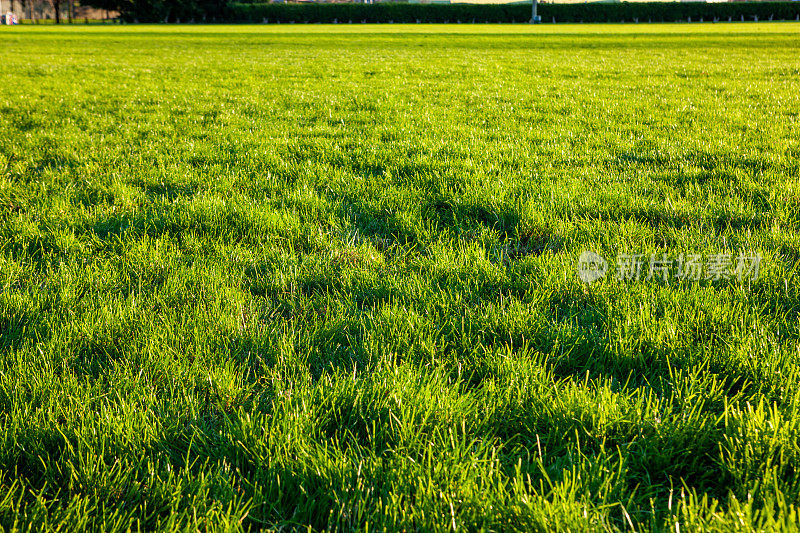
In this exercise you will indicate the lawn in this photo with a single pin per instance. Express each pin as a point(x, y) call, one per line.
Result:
point(277, 276)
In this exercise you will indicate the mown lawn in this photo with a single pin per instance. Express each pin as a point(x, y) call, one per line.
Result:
point(276, 276)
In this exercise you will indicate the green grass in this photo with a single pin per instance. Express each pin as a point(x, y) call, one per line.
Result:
point(281, 276)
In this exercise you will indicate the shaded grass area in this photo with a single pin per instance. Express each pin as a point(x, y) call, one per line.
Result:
point(274, 277)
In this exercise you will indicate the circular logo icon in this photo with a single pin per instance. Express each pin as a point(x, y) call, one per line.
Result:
point(591, 267)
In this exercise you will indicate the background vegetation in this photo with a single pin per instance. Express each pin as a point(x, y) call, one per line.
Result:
point(271, 276)
point(505, 13)
point(395, 12)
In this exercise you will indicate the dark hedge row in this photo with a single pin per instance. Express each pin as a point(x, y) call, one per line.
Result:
point(595, 12)
point(170, 10)
point(224, 11)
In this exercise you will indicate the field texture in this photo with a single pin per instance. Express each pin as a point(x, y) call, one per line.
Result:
point(280, 276)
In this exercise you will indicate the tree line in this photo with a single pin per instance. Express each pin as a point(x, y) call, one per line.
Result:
point(258, 11)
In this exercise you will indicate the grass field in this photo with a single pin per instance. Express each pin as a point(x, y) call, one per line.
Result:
point(281, 276)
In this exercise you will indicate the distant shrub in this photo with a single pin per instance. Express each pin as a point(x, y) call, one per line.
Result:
point(507, 13)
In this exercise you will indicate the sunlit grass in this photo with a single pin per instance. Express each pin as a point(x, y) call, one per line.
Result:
point(284, 275)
